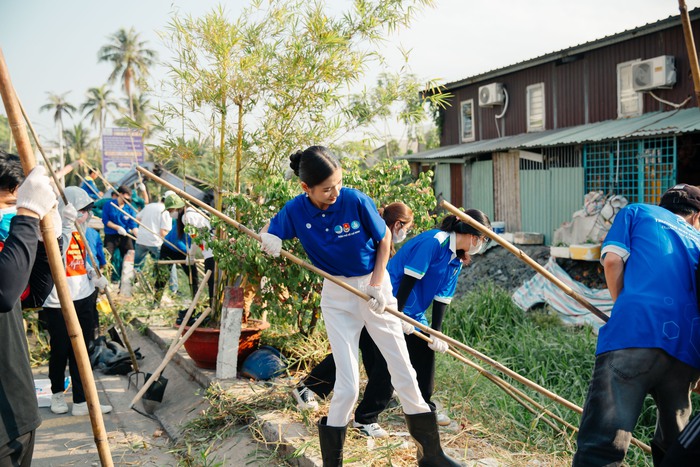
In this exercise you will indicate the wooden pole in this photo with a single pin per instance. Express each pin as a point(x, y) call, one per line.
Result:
point(58, 271)
point(81, 231)
point(106, 183)
point(525, 258)
point(500, 367)
point(690, 45)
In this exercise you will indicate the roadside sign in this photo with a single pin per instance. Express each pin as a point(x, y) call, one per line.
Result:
point(121, 149)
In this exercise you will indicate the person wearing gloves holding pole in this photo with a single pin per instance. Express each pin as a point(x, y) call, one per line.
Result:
point(344, 235)
point(154, 218)
point(24, 205)
point(118, 225)
point(82, 283)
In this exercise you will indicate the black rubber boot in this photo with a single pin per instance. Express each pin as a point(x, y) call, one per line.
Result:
point(332, 439)
point(424, 431)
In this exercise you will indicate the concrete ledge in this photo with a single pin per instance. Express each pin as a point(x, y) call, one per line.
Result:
point(187, 381)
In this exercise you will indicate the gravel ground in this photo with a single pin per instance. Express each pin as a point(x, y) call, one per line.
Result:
point(504, 269)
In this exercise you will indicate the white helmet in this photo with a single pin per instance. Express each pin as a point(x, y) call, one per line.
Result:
point(77, 197)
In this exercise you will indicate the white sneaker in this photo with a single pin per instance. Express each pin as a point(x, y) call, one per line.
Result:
point(81, 409)
point(373, 430)
point(58, 403)
point(306, 400)
point(442, 419)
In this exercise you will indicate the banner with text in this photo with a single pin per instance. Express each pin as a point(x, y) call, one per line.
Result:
point(121, 149)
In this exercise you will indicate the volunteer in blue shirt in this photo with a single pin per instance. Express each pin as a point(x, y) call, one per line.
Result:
point(344, 235)
point(90, 187)
point(118, 225)
point(650, 345)
point(425, 272)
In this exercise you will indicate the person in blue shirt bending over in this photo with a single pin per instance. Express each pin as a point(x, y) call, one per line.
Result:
point(344, 235)
point(650, 345)
point(90, 187)
point(117, 224)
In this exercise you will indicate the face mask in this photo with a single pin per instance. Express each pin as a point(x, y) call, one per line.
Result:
point(174, 214)
point(399, 236)
point(6, 216)
point(84, 217)
point(476, 249)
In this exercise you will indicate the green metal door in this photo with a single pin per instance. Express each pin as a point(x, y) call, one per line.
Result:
point(481, 187)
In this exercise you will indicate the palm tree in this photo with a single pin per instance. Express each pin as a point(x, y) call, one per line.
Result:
point(98, 105)
point(78, 144)
point(130, 58)
point(60, 107)
point(142, 116)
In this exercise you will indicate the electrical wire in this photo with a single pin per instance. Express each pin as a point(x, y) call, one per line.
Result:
point(503, 112)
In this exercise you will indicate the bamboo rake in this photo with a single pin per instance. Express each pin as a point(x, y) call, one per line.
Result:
point(26, 154)
point(525, 258)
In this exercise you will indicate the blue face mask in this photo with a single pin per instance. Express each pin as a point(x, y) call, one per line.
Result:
point(6, 216)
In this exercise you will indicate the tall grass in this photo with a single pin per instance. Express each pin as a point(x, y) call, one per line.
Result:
point(535, 345)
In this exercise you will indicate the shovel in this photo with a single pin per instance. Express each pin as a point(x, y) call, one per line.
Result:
point(155, 395)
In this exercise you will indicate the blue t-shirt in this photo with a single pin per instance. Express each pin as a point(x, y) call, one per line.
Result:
point(341, 240)
point(90, 188)
point(111, 213)
point(93, 239)
point(657, 307)
point(431, 258)
point(181, 241)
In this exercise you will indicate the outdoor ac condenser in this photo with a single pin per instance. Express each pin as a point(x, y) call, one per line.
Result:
point(491, 94)
point(657, 72)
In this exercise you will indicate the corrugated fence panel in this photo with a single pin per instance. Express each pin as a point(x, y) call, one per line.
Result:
point(442, 182)
point(567, 185)
point(535, 200)
point(481, 187)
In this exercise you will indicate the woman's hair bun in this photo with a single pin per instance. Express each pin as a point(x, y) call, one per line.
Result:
point(294, 161)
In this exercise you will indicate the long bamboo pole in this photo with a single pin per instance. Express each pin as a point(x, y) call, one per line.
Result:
point(363, 295)
point(690, 46)
point(104, 180)
point(500, 367)
point(88, 248)
point(520, 254)
point(58, 271)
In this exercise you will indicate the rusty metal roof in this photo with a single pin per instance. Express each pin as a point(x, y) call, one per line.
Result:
point(650, 124)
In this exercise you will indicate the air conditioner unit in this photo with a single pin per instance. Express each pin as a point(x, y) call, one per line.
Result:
point(491, 94)
point(657, 72)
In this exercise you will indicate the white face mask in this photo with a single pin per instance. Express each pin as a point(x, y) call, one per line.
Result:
point(399, 236)
point(476, 249)
point(174, 214)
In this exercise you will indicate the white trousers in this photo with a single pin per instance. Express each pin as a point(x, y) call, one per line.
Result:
point(345, 314)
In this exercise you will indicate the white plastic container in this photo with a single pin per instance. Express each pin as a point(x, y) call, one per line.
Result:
point(498, 227)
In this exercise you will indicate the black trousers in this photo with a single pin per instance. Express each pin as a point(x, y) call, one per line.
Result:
point(61, 348)
point(162, 278)
point(123, 244)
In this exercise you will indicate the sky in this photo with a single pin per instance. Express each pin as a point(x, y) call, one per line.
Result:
point(51, 46)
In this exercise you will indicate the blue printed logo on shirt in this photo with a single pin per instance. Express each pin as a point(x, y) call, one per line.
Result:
point(355, 225)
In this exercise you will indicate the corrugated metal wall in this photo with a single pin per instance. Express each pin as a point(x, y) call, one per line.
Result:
point(579, 89)
point(506, 189)
point(480, 187)
point(549, 198)
point(442, 182)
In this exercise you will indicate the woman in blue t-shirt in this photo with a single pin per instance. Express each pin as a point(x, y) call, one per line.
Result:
point(344, 235)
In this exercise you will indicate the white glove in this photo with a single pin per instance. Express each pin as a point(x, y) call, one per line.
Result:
point(56, 222)
point(135, 231)
point(69, 215)
point(35, 193)
point(121, 230)
point(407, 327)
point(100, 283)
point(377, 301)
point(438, 345)
point(270, 244)
point(141, 187)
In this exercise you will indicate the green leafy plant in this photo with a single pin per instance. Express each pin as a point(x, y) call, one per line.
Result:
point(284, 289)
